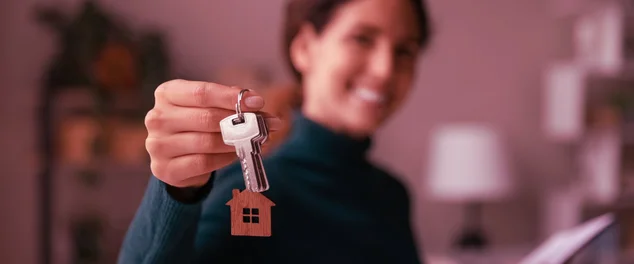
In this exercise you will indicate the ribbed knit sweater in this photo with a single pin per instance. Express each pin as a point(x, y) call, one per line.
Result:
point(331, 206)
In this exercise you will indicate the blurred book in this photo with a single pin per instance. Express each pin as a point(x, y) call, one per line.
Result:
point(594, 241)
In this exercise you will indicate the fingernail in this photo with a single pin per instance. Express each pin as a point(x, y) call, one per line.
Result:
point(274, 123)
point(254, 102)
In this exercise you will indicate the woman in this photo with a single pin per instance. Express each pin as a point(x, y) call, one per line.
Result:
point(355, 61)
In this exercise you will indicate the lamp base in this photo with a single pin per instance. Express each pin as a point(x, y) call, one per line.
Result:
point(472, 236)
point(471, 239)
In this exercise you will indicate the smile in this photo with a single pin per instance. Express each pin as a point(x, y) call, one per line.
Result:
point(370, 96)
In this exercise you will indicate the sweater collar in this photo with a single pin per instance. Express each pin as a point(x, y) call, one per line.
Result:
point(313, 141)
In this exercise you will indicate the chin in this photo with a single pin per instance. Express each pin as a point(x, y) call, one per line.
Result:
point(364, 124)
point(365, 116)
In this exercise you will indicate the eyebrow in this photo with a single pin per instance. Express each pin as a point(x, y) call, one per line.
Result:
point(367, 27)
point(375, 30)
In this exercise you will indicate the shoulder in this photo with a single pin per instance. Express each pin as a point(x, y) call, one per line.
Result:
point(394, 183)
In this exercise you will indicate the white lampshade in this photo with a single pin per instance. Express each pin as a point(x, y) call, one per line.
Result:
point(468, 163)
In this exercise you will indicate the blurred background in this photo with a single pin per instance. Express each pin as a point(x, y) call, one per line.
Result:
point(521, 118)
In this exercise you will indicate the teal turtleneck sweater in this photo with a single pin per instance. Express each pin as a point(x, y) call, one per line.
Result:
point(331, 206)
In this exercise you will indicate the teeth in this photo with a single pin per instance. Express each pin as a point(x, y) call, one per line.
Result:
point(369, 95)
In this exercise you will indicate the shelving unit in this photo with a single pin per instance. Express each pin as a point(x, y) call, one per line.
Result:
point(94, 192)
point(94, 167)
point(591, 107)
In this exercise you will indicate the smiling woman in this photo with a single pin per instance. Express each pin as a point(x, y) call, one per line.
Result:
point(354, 61)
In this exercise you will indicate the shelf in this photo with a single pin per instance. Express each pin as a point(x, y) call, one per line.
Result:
point(624, 74)
point(628, 134)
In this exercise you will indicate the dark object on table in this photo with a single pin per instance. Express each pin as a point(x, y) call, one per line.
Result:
point(86, 233)
point(472, 236)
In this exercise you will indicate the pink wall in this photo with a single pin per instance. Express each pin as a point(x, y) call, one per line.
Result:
point(19, 59)
point(484, 50)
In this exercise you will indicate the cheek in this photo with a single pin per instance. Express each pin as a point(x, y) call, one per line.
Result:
point(339, 67)
point(402, 87)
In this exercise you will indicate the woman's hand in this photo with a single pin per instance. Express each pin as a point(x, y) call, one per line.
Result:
point(184, 139)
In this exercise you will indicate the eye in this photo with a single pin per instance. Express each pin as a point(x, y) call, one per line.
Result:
point(363, 40)
point(405, 52)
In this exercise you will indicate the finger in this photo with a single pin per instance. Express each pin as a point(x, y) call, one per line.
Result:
point(187, 143)
point(274, 123)
point(206, 94)
point(181, 119)
point(197, 181)
point(267, 114)
point(180, 168)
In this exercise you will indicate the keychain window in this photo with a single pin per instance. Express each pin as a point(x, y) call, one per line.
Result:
point(251, 215)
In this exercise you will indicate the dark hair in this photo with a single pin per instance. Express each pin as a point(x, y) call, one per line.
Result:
point(319, 12)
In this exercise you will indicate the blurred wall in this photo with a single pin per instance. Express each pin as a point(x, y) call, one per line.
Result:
point(22, 51)
point(484, 65)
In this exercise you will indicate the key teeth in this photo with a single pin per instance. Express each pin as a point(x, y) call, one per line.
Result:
point(247, 179)
point(245, 170)
point(254, 182)
point(259, 189)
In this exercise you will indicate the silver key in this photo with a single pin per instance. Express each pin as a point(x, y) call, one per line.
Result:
point(247, 134)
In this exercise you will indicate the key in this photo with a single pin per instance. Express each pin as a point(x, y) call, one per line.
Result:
point(247, 134)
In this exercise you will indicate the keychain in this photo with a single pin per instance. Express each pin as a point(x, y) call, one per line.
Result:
point(250, 209)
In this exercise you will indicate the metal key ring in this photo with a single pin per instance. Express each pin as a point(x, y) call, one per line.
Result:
point(238, 108)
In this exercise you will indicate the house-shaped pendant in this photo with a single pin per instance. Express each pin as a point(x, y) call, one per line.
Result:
point(250, 214)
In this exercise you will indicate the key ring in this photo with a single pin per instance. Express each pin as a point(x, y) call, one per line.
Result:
point(238, 108)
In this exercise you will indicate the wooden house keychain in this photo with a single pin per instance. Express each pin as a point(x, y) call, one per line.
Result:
point(250, 209)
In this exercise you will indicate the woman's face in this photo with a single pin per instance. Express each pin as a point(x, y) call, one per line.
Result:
point(360, 68)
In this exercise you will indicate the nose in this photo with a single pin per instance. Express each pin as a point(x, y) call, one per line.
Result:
point(381, 63)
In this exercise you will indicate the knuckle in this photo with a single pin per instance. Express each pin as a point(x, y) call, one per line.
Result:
point(206, 119)
point(166, 172)
point(200, 162)
point(169, 174)
point(158, 169)
point(160, 90)
point(153, 119)
point(201, 94)
point(215, 117)
point(204, 141)
point(154, 146)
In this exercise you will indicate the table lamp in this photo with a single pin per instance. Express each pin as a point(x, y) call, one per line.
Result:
point(468, 165)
